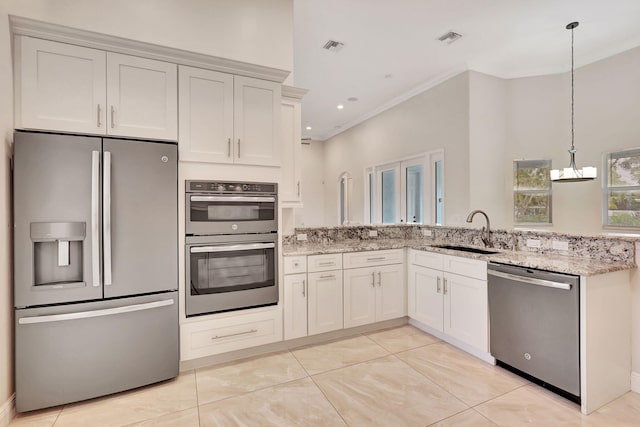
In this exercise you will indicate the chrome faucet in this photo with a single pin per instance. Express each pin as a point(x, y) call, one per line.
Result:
point(485, 235)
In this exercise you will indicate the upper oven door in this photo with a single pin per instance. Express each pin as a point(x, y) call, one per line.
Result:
point(230, 214)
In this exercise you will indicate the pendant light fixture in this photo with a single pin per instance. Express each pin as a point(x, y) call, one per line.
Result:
point(573, 173)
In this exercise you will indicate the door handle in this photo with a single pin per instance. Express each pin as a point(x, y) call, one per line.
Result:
point(113, 117)
point(99, 114)
point(229, 147)
point(438, 285)
point(95, 218)
point(106, 206)
point(238, 147)
point(231, 248)
point(95, 313)
point(373, 279)
point(303, 285)
point(379, 278)
point(298, 188)
point(444, 287)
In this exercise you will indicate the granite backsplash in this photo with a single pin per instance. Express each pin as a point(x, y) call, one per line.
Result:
point(602, 248)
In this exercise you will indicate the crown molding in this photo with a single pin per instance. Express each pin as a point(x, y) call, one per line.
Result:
point(296, 93)
point(397, 100)
point(60, 33)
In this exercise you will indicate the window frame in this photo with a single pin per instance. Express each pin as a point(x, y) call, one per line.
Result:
point(606, 189)
point(427, 161)
point(516, 192)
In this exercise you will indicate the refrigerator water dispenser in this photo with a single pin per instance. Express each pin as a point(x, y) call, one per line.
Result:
point(57, 253)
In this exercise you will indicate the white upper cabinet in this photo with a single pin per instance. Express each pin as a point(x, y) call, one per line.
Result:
point(206, 115)
point(256, 125)
point(142, 96)
point(229, 119)
point(59, 87)
point(69, 88)
point(290, 188)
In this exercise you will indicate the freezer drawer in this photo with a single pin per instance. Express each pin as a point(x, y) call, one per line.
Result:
point(74, 352)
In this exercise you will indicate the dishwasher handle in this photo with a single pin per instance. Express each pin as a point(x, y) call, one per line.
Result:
point(530, 280)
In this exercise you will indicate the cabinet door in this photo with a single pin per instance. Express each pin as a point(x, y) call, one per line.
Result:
point(206, 115)
point(257, 124)
point(325, 301)
point(359, 296)
point(465, 310)
point(142, 96)
point(59, 87)
point(290, 188)
point(391, 300)
point(425, 296)
point(295, 306)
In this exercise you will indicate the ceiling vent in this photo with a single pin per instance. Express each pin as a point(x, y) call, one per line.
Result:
point(450, 37)
point(333, 46)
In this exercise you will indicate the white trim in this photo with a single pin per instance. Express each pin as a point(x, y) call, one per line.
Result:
point(635, 382)
point(484, 356)
point(293, 93)
point(63, 34)
point(8, 411)
point(395, 101)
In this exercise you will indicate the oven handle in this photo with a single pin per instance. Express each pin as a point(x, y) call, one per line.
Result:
point(229, 248)
point(232, 199)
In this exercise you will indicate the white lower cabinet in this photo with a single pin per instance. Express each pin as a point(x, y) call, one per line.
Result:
point(295, 306)
point(452, 303)
point(374, 294)
point(324, 301)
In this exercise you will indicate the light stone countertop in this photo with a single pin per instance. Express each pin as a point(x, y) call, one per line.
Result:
point(557, 263)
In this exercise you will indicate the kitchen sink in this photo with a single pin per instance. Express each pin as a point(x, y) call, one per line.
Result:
point(466, 249)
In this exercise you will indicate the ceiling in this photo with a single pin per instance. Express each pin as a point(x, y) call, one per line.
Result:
point(391, 51)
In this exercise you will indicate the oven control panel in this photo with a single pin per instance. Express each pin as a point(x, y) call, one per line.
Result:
point(231, 187)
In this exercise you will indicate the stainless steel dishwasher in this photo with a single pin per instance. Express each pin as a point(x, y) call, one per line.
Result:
point(535, 325)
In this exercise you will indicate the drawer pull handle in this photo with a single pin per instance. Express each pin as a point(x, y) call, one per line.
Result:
point(380, 258)
point(328, 276)
point(252, 331)
point(324, 264)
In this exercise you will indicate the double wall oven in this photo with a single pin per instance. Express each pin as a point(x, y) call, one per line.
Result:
point(231, 246)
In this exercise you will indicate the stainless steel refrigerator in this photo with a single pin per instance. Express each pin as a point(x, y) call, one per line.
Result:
point(95, 266)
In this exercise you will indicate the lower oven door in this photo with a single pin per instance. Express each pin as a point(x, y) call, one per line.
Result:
point(230, 272)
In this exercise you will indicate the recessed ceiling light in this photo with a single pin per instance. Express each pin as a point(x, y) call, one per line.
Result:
point(308, 128)
point(352, 99)
point(333, 46)
point(388, 76)
point(340, 107)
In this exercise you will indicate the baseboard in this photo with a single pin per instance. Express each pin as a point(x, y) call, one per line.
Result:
point(7, 411)
point(635, 382)
point(454, 342)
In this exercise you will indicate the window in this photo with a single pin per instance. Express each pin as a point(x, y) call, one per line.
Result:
point(621, 189)
point(344, 181)
point(409, 190)
point(532, 191)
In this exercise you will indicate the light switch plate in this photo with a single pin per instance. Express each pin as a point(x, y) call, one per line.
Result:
point(301, 237)
point(561, 245)
point(373, 233)
point(426, 233)
point(533, 243)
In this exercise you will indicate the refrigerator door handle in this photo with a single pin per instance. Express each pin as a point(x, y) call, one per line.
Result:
point(106, 206)
point(95, 313)
point(95, 218)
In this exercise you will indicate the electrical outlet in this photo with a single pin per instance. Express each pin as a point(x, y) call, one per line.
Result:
point(373, 233)
point(426, 233)
point(561, 245)
point(301, 237)
point(533, 243)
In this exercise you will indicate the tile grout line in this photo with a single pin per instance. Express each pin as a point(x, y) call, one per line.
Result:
point(195, 380)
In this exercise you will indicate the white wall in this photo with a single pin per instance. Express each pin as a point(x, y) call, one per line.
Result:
point(313, 186)
point(437, 118)
point(488, 180)
point(253, 31)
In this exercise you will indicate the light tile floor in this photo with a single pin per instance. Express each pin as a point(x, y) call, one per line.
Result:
point(395, 377)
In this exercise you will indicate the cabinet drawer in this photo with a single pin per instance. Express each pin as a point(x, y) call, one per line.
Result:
point(373, 258)
point(474, 268)
point(426, 259)
point(324, 262)
point(228, 334)
point(295, 264)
